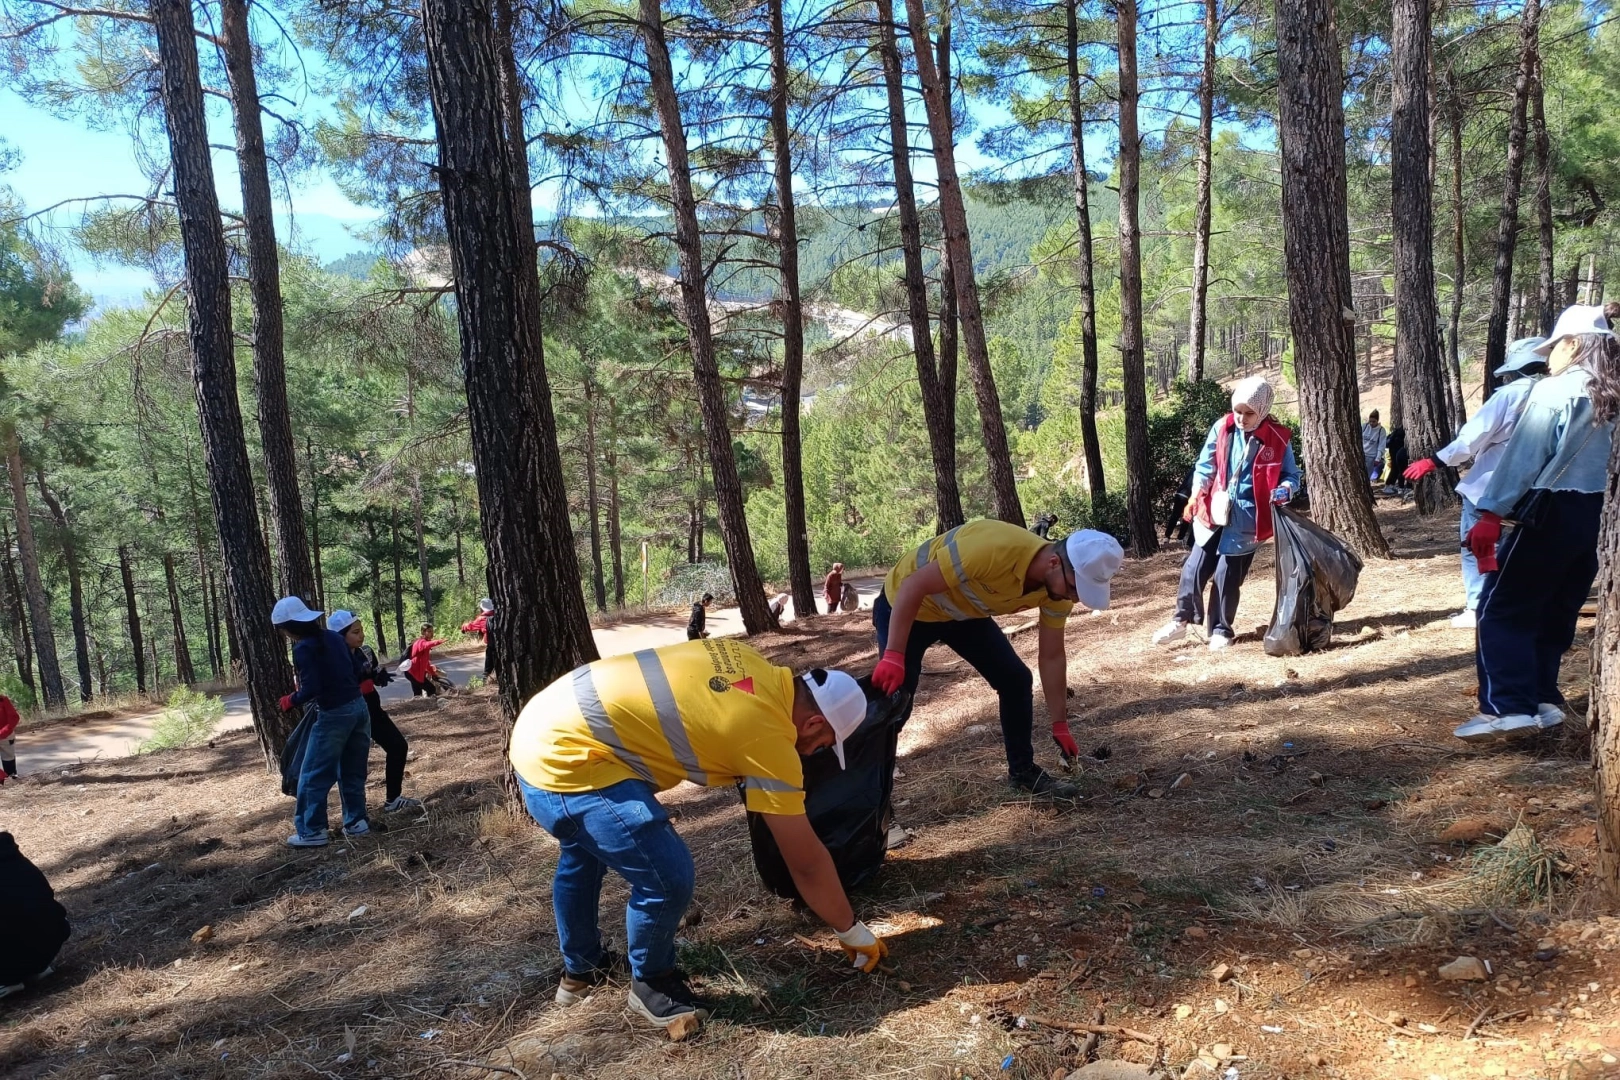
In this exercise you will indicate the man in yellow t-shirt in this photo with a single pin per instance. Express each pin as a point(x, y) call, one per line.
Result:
point(949, 592)
point(593, 748)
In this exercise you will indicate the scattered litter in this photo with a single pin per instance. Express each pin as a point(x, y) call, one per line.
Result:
point(1006, 1063)
point(1022, 960)
point(430, 1034)
point(1271, 1028)
point(358, 912)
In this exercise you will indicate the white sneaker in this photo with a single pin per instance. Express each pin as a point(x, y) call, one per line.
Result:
point(362, 829)
point(1217, 642)
point(898, 837)
point(320, 839)
point(1174, 630)
point(1465, 620)
point(1487, 728)
point(402, 802)
point(1549, 716)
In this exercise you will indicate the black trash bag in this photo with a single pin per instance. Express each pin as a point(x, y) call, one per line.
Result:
point(292, 755)
point(35, 922)
point(848, 808)
point(1316, 577)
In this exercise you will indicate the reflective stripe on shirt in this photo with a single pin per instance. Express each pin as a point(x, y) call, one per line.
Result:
point(601, 725)
point(669, 716)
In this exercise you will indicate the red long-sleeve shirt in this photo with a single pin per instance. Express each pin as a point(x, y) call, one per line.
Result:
point(8, 717)
point(420, 665)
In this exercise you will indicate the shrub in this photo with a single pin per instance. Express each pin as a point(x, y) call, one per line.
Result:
point(1075, 511)
point(689, 581)
point(188, 721)
point(20, 693)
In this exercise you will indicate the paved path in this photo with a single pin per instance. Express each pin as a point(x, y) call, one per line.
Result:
point(67, 742)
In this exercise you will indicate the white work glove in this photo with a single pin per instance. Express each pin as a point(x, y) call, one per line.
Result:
point(863, 947)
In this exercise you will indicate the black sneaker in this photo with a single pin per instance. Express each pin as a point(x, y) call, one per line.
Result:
point(573, 988)
point(1040, 782)
point(663, 999)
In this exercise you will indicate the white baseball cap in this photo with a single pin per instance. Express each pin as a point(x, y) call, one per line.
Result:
point(1095, 557)
point(292, 609)
point(341, 620)
point(1576, 320)
point(486, 604)
point(842, 703)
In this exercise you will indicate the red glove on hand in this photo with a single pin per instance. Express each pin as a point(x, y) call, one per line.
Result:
point(1419, 469)
point(890, 673)
point(286, 703)
point(368, 687)
point(1066, 744)
point(1483, 538)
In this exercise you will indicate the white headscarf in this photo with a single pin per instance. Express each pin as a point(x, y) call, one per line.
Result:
point(1256, 393)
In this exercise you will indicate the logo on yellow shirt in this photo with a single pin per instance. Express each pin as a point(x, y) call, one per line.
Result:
point(720, 684)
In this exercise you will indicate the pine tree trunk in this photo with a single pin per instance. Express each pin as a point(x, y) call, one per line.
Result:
point(938, 414)
point(543, 630)
point(264, 284)
point(399, 582)
point(1096, 483)
point(421, 546)
point(1316, 243)
point(598, 584)
point(183, 669)
point(208, 303)
point(936, 91)
point(1603, 718)
point(1144, 537)
point(315, 522)
point(1507, 229)
point(1459, 263)
point(792, 303)
point(70, 556)
point(132, 616)
point(216, 654)
point(455, 516)
point(615, 534)
point(1546, 283)
point(1420, 364)
point(376, 587)
point(728, 493)
point(39, 602)
point(16, 620)
point(1201, 212)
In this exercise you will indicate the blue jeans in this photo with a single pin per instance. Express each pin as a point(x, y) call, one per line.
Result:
point(1473, 579)
point(982, 644)
point(335, 753)
point(624, 829)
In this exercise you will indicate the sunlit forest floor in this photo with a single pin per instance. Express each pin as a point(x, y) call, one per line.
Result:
point(1272, 861)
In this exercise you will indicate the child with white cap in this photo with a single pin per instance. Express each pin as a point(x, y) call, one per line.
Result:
point(384, 732)
point(949, 593)
point(1246, 466)
point(335, 753)
point(591, 751)
point(1550, 484)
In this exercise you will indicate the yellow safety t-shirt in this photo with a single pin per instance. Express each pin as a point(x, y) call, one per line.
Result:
point(711, 711)
point(984, 563)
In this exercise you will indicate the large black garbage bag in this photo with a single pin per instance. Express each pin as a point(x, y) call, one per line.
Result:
point(34, 921)
point(848, 808)
point(292, 755)
point(1316, 577)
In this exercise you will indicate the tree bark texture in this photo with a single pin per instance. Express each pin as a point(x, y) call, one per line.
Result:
point(615, 532)
point(1420, 364)
point(543, 631)
point(1197, 328)
point(1507, 228)
point(183, 669)
point(936, 93)
point(70, 556)
point(208, 306)
point(421, 546)
point(592, 504)
point(132, 616)
point(1603, 717)
point(938, 414)
point(16, 618)
point(39, 602)
point(1139, 513)
point(792, 303)
point(1316, 245)
point(728, 494)
point(374, 562)
point(264, 285)
point(1085, 265)
point(399, 579)
point(1459, 257)
point(315, 521)
point(1546, 284)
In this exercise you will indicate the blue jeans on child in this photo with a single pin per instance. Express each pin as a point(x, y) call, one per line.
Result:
point(621, 828)
point(1473, 579)
point(335, 753)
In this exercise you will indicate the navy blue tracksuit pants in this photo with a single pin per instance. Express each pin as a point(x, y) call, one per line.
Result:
point(1528, 607)
point(982, 644)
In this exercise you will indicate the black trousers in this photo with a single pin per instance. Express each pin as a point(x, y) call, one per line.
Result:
point(982, 644)
point(1529, 605)
point(1203, 564)
point(386, 734)
point(420, 688)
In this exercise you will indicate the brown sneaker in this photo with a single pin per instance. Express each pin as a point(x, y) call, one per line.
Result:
point(574, 988)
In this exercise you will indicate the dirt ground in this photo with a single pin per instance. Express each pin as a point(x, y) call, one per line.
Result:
point(1273, 859)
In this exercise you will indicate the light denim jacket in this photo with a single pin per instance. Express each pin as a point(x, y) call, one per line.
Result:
point(1555, 446)
point(1237, 538)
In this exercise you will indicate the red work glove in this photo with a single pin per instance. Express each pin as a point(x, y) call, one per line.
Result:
point(1419, 469)
point(890, 673)
point(368, 687)
point(286, 703)
point(1483, 538)
point(1067, 747)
